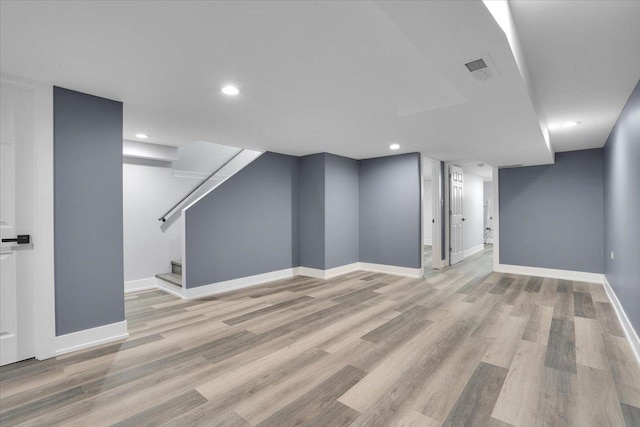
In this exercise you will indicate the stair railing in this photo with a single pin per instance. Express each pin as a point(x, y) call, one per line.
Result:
point(163, 218)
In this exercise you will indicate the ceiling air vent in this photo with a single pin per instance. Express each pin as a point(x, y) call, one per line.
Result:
point(482, 68)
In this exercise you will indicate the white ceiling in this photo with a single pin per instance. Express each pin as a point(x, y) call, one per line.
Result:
point(342, 77)
point(473, 168)
point(584, 60)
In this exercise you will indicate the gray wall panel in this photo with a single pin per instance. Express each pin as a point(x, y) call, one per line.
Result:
point(312, 211)
point(552, 216)
point(89, 272)
point(246, 226)
point(622, 208)
point(282, 212)
point(341, 211)
point(390, 211)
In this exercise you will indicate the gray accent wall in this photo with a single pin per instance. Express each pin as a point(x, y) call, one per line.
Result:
point(246, 226)
point(89, 272)
point(329, 211)
point(622, 208)
point(551, 216)
point(342, 211)
point(312, 211)
point(390, 204)
point(319, 211)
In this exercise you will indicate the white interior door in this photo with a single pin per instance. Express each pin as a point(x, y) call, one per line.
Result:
point(456, 222)
point(17, 309)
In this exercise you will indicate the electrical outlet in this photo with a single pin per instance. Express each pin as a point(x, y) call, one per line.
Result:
point(611, 254)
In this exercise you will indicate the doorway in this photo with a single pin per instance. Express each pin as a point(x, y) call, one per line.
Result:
point(17, 222)
point(456, 217)
point(432, 237)
point(427, 215)
point(469, 206)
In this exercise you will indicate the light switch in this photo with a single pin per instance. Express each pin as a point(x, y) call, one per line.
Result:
point(611, 254)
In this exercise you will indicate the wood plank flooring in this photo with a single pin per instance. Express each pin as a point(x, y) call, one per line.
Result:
point(461, 347)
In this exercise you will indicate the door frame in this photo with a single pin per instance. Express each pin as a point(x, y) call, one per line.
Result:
point(436, 207)
point(44, 286)
point(496, 219)
point(448, 211)
point(436, 200)
point(447, 214)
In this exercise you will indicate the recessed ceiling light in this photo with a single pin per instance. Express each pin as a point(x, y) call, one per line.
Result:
point(142, 135)
point(230, 90)
point(570, 124)
point(394, 146)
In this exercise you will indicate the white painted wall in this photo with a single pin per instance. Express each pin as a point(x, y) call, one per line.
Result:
point(149, 190)
point(203, 157)
point(473, 211)
point(488, 204)
point(428, 213)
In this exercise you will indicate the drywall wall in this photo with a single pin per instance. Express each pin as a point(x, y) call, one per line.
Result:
point(342, 211)
point(312, 211)
point(473, 211)
point(89, 277)
point(487, 220)
point(427, 202)
point(443, 223)
point(552, 216)
point(329, 211)
point(149, 189)
point(246, 226)
point(203, 157)
point(282, 212)
point(622, 208)
point(390, 208)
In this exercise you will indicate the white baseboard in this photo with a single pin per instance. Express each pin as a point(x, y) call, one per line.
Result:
point(259, 279)
point(91, 337)
point(579, 276)
point(169, 288)
point(328, 274)
point(234, 284)
point(391, 269)
point(631, 334)
point(474, 250)
point(360, 266)
point(140, 285)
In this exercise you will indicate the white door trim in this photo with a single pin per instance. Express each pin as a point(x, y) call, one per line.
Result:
point(446, 197)
point(43, 216)
point(436, 209)
point(454, 172)
point(495, 224)
point(422, 213)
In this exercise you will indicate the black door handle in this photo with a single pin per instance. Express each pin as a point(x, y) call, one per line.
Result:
point(21, 239)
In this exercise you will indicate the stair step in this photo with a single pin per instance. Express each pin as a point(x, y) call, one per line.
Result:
point(176, 267)
point(174, 279)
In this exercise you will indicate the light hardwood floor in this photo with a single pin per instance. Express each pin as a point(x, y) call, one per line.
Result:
point(461, 347)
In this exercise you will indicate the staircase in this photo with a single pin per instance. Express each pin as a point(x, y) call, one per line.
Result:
point(175, 277)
